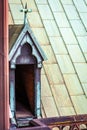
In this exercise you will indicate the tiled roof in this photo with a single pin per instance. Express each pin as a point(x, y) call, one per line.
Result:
point(60, 26)
point(14, 31)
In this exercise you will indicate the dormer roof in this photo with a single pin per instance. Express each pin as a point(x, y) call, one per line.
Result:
point(21, 34)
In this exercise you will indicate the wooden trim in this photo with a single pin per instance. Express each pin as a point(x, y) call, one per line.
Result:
point(4, 85)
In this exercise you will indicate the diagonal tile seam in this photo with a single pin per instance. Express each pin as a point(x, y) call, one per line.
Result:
point(43, 66)
point(74, 32)
point(57, 62)
point(81, 51)
point(69, 55)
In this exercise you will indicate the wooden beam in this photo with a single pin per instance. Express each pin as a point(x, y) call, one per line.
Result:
point(4, 88)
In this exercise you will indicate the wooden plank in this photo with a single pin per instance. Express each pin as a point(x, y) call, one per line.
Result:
point(14, 2)
point(66, 111)
point(53, 74)
point(10, 18)
point(30, 4)
point(75, 53)
point(61, 19)
point(42, 71)
point(78, 27)
point(80, 5)
point(41, 1)
point(68, 36)
point(55, 5)
point(85, 88)
point(58, 45)
point(81, 69)
point(84, 18)
point(73, 84)
point(49, 106)
point(42, 111)
point(61, 96)
point(45, 12)
point(66, 1)
point(65, 64)
point(41, 36)
point(80, 104)
point(51, 27)
point(34, 20)
point(17, 15)
point(45, 88)
point(71, 12)
point(49, 54)
point(86, 57)
point(83, 43)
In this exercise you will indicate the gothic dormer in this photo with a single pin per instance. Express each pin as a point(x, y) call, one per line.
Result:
point(25, 58)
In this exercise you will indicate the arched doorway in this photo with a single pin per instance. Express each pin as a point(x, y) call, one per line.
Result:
point(24, 80)
point(24, 90)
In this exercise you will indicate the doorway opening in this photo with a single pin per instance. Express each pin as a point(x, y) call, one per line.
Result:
point(24, 90)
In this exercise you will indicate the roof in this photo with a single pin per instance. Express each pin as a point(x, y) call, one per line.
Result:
point(61, 29)
point(17, 34)
point(14, 31)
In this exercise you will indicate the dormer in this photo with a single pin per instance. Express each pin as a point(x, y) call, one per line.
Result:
point(25, 59)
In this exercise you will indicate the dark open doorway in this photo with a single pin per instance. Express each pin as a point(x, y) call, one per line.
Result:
point(24, 90)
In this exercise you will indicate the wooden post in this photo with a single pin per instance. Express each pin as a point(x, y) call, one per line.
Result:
point(12, 89)
point(4, 73)
point(37, 92)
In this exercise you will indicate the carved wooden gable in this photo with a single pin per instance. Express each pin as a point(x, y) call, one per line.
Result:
point(18, 47)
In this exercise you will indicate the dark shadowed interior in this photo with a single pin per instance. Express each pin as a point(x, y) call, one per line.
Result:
point(24, 90)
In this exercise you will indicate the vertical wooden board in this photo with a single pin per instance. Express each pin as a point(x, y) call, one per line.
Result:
point(67, 2)
point(15, 1)
point(73, 84)
point(75, 53)
point(55, 5)
point(84, 18)
point(68, 36)
point(51, 28)
point(42, 71)
point(17, 21)
point(30, 4)
point(41, 36)
point(42, 111)
point(80, 104)
point(83, 43)
point(45, 12)
point(45, 88)
point(41, 1)
point(17, 15)
point(66, 111)
point(80, 5)
point(49, 54)
point(61, 19)
point(58, 45)
point(10, 18)
point(81, 69)
point(78, 27)
point(34, 20)
point(49, 106)
point(85, 88)
point(71, 12)
point(86, 56)
point(65, 64)
point(53, 73)
point(61, 96)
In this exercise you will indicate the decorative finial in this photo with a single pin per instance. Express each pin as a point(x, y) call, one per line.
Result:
point(26, 10)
